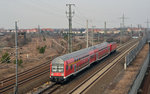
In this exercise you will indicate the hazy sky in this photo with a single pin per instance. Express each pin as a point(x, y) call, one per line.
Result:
point(51, 13)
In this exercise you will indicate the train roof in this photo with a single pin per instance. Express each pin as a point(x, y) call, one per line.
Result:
point(57, 60)
point(79, 53)
point(102, 45)
point(113, 43)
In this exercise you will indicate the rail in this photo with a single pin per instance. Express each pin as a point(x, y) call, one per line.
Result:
point(7, 84)
point(44, 90)
point(132, 54)
point(99, 74)
point(50, 88)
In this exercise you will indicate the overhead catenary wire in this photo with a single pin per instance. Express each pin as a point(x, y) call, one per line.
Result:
point(48, 12)
point(42, 9)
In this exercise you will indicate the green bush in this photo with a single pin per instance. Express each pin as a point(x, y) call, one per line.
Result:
point(5, 58)
point(42, 49)
point(20, 61)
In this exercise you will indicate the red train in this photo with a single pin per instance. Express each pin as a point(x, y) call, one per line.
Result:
point(62, 67)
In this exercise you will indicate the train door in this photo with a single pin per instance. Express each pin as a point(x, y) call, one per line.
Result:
point(75, 68)
point(108, 49)
point(97, 56)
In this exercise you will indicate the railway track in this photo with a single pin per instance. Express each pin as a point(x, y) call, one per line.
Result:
point(51, 89)
point(8, 84)
point(23, 73)
point(86, 84)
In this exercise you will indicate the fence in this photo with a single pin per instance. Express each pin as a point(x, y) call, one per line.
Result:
point(131, 55)
point(139, 77)
point(148, 36)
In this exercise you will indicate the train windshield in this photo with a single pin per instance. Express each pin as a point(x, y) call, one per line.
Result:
point(57, 68)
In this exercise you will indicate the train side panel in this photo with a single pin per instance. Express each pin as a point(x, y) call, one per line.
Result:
point(113, 46)
point(92, 56)
point(68, 67)
point(73, 67)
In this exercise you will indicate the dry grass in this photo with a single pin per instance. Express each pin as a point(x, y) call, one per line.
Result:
point(128, 76)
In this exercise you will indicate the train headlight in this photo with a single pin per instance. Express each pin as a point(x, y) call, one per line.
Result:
point(62, 74)
point(52, 74)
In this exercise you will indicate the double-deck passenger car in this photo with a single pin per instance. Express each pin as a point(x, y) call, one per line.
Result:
point(62, 67)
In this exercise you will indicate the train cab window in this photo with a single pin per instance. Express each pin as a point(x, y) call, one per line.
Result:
point(57, 68)
point(54, 68)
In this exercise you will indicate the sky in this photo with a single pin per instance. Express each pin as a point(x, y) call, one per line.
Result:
point(52, 13)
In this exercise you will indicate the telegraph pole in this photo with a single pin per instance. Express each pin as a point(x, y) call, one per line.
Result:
point(39, 37)
point(139, 27)
point(131, 30)
point(39, 33)
point(98, 36)
point(70, 27)
point(147, 24)
point(16, 38)
point(105, 31)
point(87, 35)
point(93, 34)
point(123, 27)
point(120, 33)
point(105, 27)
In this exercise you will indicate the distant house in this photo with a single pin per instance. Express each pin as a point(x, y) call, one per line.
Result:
point(32, 30)
point(47, 30)
point(10, 30)
point(2, 30)
point(36, 30)
point(1, 34)
point(75, 31)
point(135, 29)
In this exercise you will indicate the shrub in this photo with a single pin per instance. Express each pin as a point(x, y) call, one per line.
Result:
point(5, 58)
point(42, 49)
point(20, 61)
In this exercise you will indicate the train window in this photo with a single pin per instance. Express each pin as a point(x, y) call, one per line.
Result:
point(57, 68)
point(71, 66)
point(92, 56)
point(66, 67)
point(60, 68)
point(54, 68)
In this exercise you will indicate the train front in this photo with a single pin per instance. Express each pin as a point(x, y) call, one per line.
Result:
point(57, 70)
